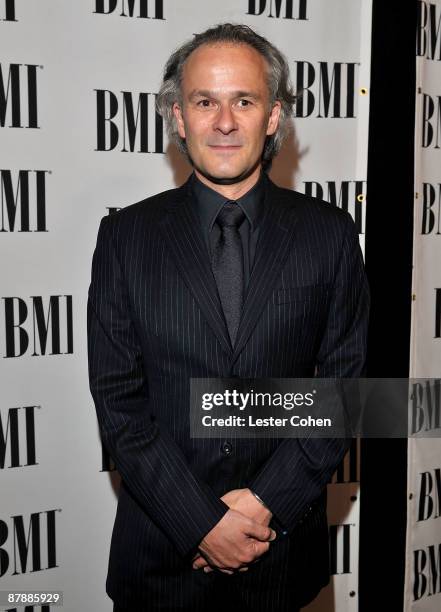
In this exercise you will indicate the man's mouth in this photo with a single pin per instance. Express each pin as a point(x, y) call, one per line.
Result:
point(219, 147)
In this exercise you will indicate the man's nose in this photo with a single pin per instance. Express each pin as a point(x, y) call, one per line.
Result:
point(225, 120)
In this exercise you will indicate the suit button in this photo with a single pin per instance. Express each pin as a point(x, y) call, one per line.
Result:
point(227, 448)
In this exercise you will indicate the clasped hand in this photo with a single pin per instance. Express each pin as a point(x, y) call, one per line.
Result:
point(239, 538)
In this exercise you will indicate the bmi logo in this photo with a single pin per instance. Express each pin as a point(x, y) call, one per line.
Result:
point(27, 544)
point(429, 30)
point(17, 431)
point(285, 9)
point(427, 571)
point(431, 217)
point(7, 10)
point(41, 326)
point(437, 312)
point(24, 193)
point(425, 405)
point(431, 129)
point(130, 122)
point(327, 89)
point(429, 498)
point(144, 9)
point(18, 95)
point(340, 548)
point(348, 195)
point(427, 561)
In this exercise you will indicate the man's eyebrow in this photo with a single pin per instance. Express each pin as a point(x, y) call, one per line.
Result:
point(205, 93)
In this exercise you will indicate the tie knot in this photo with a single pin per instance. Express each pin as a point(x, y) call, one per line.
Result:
point(230, 215)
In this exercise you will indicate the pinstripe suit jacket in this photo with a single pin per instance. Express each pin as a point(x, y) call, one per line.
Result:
point(155, 320)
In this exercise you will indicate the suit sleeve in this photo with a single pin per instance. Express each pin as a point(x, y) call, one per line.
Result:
point(299, 469)
point(149, 461)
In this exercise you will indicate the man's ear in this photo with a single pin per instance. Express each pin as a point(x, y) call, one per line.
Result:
point(273, 120)
point(179, 119)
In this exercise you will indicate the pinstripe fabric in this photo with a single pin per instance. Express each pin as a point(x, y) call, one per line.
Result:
point(155, 321)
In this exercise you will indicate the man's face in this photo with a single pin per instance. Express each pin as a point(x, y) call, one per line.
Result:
point(226, 114)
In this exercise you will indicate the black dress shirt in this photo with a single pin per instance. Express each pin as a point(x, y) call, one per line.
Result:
point(208, 204)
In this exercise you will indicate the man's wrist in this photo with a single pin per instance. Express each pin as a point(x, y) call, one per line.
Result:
point(259, 499)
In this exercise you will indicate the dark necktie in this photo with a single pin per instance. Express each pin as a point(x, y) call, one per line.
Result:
point(227, 264)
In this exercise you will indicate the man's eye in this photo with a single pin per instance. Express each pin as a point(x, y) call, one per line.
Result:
point(204, 103)
point(244, 102)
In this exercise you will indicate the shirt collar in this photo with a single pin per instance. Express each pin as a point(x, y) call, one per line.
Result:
point(208, 202)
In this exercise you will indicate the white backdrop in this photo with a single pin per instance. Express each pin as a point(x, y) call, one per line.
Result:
point(70, 73)
point(423, 550)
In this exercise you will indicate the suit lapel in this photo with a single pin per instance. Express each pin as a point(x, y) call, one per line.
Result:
point(273, 246)
point(181, 230)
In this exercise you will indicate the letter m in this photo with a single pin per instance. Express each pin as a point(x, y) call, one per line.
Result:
point(12, 429)
point(21, 543)
point(14, 84)
point(9, 200)
point(278, 8)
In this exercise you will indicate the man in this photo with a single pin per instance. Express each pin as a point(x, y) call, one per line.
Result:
point(226, 276)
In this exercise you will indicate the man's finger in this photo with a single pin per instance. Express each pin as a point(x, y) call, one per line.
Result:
point(199, 562)
point(260, 532)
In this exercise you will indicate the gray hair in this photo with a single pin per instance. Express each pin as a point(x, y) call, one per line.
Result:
point(279, 84)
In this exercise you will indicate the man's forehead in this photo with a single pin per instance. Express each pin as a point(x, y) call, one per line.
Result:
point(224, 44)
point(218, 49)
point(240, 75)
